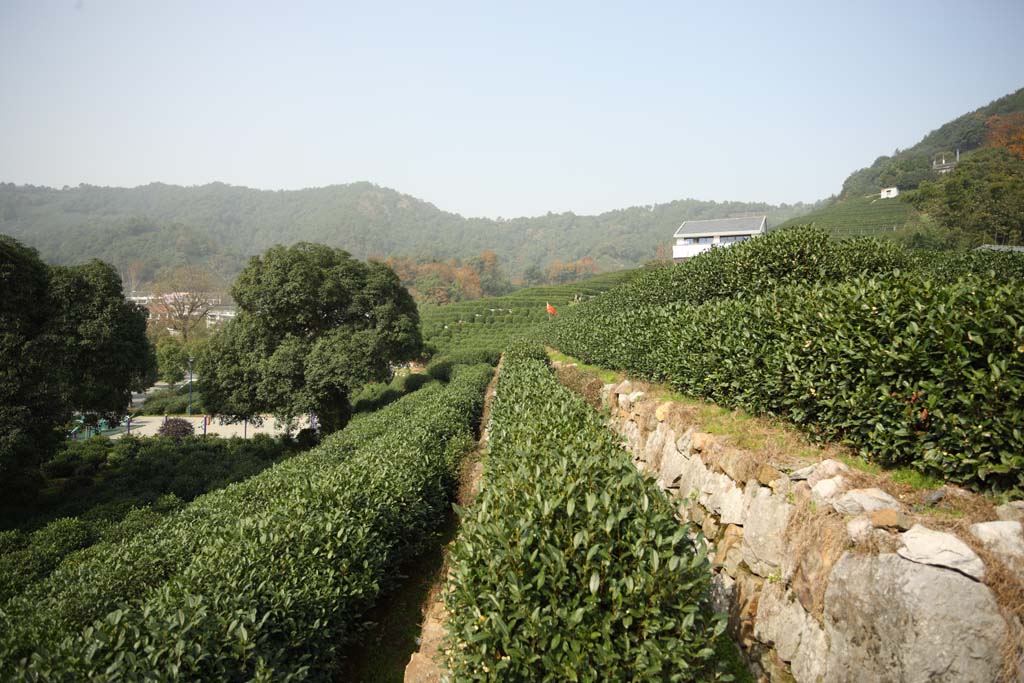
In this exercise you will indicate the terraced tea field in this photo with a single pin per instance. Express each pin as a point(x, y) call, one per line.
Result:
point(490, 323)
point(859, 217)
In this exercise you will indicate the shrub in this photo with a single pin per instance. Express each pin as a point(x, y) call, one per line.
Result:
point(173, 401)
point(909, 372)
point(919, 365)
point(571, 564)
point(625, 327)
point(521, 348)
point(176, 428)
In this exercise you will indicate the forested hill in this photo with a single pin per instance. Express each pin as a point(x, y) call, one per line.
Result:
point(908, 168)
point(220, 225)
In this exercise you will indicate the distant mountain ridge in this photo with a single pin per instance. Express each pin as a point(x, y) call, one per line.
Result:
point(221, 225)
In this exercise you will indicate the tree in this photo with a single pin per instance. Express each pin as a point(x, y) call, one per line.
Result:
point(27, 398)
point(184, 298)
point(171, 360)
point(69, 343)
point(313, 326)
point(1007, 132)
point(102, 353)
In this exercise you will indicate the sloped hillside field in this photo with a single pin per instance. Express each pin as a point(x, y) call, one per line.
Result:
point(489, 324)
point(913, 359)
point(264, 580)
point(571, 565)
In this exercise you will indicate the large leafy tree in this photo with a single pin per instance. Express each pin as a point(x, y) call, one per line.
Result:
point(27, 393)
point(313, 325)
point(69, 343)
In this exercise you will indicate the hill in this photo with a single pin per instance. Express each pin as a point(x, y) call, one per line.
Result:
point(980, 200)
point(908, 168)
point(221, 225)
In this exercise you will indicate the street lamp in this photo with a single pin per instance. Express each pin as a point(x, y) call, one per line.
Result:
point(191, 359)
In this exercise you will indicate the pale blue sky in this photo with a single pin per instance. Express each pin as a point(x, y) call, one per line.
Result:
point(492, 108)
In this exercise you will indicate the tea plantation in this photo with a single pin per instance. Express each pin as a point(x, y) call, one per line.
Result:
point(571, 564)
point(488, 324)
point(912, 359)
point(266, 579)
point(859, 217)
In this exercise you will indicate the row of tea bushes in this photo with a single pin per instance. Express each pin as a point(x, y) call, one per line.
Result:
point(485, 325)
point(625, 327)
point(913, 358)
point(571, 566)
point(29, 557)
point(267, 578)
point(104, 478)
point(908, 371)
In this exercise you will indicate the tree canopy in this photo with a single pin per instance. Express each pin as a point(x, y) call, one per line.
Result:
point(313, 325)
point(69, 343)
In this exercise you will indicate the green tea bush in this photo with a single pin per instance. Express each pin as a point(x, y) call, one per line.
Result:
point(521, 348)
point(908, 371)
point(915, 359)
point(44, 549)
point(571, 565)
point(111, 476)
point(263, 580)
point(626, 327)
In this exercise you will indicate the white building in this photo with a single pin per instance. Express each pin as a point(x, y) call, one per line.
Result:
point(694, 237)
point(889, 192)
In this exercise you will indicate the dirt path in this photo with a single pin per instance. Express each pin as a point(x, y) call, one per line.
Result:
point(424, 666)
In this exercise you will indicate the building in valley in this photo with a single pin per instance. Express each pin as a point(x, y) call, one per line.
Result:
point(694, 237)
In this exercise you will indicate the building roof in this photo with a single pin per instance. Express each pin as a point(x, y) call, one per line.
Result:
point(722, 225)
point(1000, 247)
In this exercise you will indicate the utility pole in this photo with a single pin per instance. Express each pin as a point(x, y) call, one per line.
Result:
point(191, 359)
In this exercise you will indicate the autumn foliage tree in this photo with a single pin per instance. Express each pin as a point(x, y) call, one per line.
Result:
point(184, 297)
point(1006, 131)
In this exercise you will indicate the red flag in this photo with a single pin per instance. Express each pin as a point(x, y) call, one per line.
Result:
point(551, 310)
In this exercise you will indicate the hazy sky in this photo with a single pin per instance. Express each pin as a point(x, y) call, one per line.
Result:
point(511, 108)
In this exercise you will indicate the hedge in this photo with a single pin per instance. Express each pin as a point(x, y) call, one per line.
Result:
point(625, 327)
point(571, 566)
point(908, 371)
point(265, 579)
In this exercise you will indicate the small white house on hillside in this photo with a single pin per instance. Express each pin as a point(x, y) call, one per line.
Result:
point(693, 237)
point(889, 193)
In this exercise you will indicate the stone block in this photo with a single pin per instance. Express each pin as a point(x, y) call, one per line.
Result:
point(939, 549)
point(888, 619)
point(827, 490)
point(1011, 512)
point(765, 520)
point(1004, 539)
point(890, 519)
point(767, 475)
point(860, 501)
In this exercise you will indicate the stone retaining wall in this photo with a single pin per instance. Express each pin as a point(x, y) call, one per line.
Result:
point(825, 579)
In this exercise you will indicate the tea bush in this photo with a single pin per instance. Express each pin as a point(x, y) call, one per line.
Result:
point(908, 371)
point(571, 565)
point(915, 359)
point(625, 328)
point(265, 579)
point(477, 331)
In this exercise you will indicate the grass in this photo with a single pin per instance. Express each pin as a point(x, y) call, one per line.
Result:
point(605, 375)
point(905, 476)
